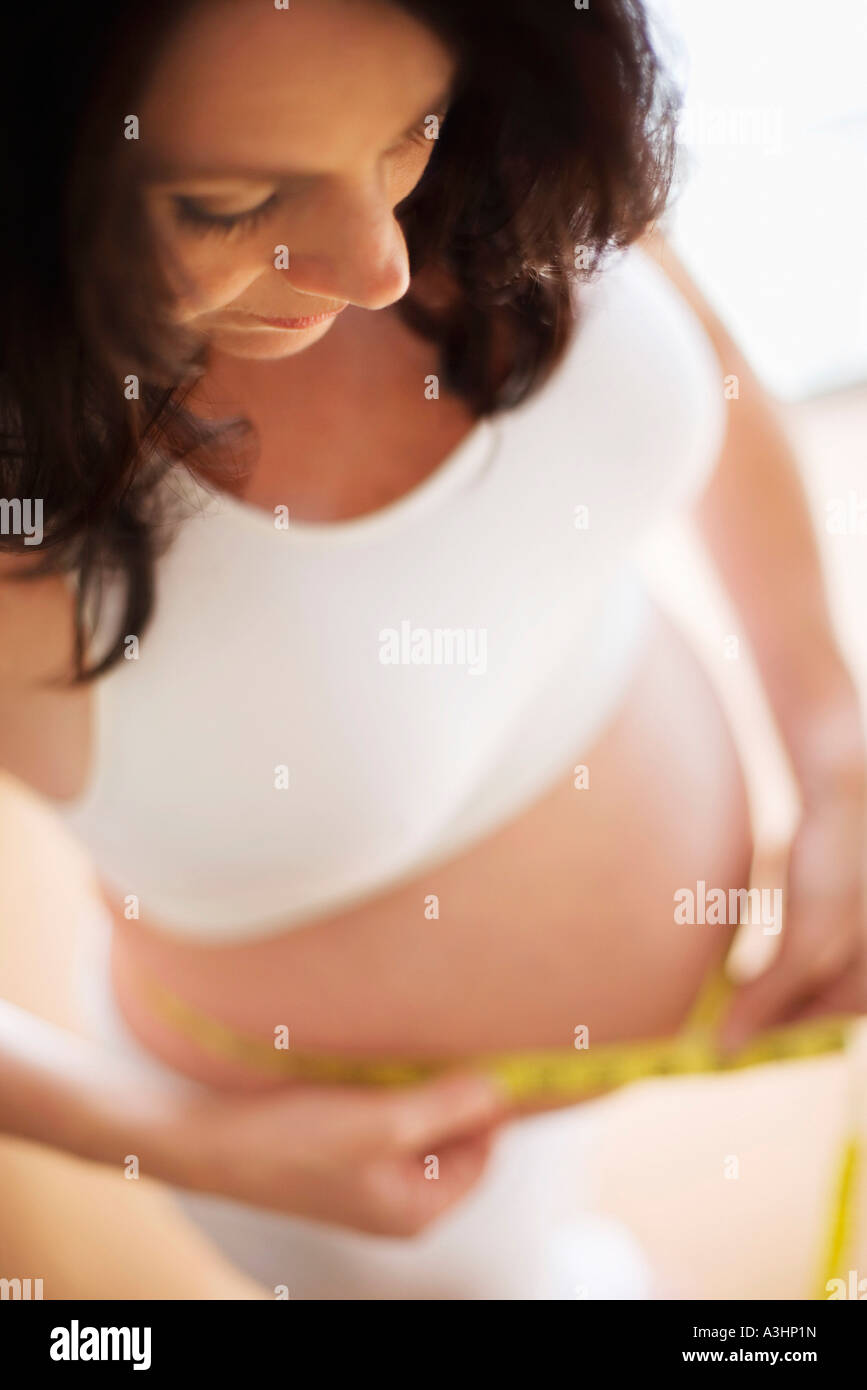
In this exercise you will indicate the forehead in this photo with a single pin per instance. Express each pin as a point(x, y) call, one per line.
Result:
point(240, 82)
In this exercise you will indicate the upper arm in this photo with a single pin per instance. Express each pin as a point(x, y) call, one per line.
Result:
point(731, 359)
point(754, 424)
point(44, 721)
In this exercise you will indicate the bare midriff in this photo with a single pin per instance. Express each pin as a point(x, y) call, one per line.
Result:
point(562, 917)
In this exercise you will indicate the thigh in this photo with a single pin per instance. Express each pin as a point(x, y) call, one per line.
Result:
point(85, 1230)
point(729, 1183)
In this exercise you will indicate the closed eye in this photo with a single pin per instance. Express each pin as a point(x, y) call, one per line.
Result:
point(190, 212)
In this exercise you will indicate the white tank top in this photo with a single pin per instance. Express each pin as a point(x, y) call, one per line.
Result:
point(318, 711)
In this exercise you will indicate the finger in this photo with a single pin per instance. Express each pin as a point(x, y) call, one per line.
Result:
point(451, 1107)
point(846, 995)
point(413, 1192)
point(781, 991)
point(461, 1165)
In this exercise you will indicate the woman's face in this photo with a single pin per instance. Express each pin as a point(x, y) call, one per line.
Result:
point(277, 143)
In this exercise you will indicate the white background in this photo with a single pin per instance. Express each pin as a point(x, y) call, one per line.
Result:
point(773, 219)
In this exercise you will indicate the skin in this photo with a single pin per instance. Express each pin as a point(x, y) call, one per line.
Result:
point(129, 1241)
point(84, 1229)
point(328, 183)
point(336, 217)
point(281, 101)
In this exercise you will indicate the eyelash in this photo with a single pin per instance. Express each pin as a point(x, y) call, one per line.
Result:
point(191, 215)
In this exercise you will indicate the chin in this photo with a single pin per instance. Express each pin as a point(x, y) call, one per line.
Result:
point(266, 344)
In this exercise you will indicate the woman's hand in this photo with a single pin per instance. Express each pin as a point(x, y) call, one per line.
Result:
point(384, 1161)
point(821, 966)
point(379, 1160)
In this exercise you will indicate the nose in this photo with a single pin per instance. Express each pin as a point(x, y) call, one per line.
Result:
point(351, 248)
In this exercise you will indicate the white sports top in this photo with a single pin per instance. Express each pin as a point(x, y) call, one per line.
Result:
point(318, 711)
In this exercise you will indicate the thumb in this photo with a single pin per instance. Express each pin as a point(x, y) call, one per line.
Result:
point(447, 1108)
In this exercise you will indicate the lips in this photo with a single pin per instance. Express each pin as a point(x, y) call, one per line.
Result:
point(307, 321)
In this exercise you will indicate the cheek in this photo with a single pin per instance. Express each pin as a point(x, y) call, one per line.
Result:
point(406, 173)
point(211, 273)
point(211, 277)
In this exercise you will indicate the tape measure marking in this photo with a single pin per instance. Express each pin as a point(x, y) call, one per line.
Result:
point(525, 1074)
point(568, 1074)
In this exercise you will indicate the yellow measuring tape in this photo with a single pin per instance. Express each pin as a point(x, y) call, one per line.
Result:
point(562, 1074)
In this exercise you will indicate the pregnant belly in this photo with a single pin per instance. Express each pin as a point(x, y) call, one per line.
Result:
point(563, 917)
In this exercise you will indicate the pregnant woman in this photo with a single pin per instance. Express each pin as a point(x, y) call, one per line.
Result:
point(348, 381)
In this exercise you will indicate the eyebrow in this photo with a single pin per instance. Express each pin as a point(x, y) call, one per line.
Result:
point(164, 173)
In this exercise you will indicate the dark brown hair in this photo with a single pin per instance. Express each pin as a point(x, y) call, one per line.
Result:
point(561, 136)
